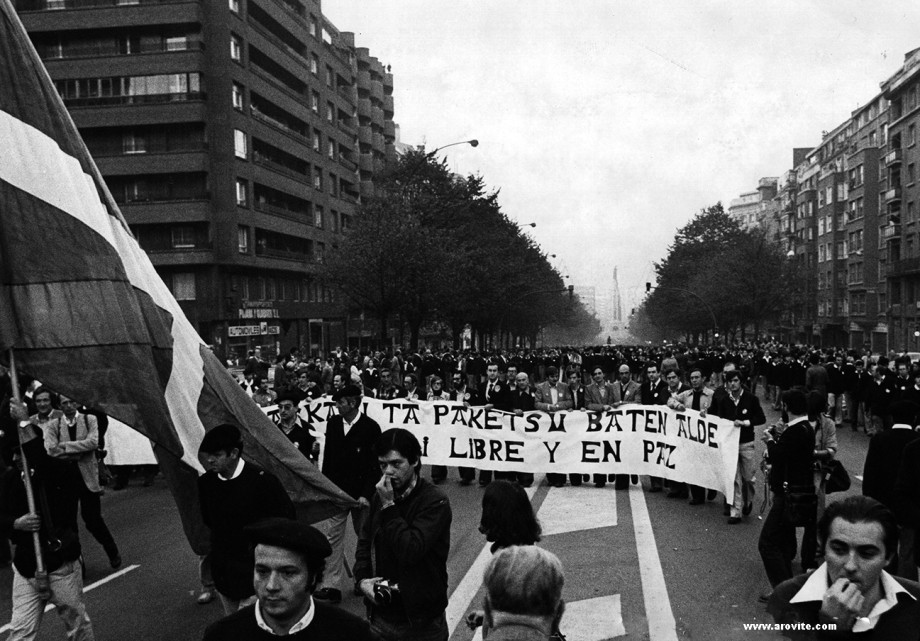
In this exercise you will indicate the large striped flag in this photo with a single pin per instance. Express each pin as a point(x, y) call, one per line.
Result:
point(85, 312)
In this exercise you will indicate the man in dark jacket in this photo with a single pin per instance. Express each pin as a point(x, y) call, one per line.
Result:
point(350, 463)
point(405, 542)
point(55, 487)
point(790, 448)
point(851, 596)
point(234, 494)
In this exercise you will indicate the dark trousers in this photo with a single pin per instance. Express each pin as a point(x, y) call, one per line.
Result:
point(558, 480)
point(439, 473)
point(697, 493)
point(91, 511)
point(600, 480)
point(777, 544)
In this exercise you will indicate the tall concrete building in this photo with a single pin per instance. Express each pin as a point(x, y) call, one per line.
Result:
point(755, 209)
point(899, 202)
point(237, 137)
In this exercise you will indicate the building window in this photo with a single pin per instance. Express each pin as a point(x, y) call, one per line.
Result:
point(330, 112)
point(328, 76)
point(235, 6)
point(131, 143)
point(331, 150)
point(236, 48)
point(312, 26)
point(183, 237)
point(242, 235)
point(911, 173)
point(316, 140)
point(184, 286)
point(318, 218)
point(911, 135)
point(237, 96)
point(314, 102)
point(317, 178)
point(240, 148)
point(242, 193)
point(314, 64)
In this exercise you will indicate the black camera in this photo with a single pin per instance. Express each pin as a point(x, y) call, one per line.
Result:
point(386, 593)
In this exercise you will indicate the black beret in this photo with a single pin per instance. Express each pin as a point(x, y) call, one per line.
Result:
point(348, 391)
point(290, 535)
point(289, 395)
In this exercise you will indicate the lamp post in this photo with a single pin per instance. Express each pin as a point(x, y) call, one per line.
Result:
point(471, 143)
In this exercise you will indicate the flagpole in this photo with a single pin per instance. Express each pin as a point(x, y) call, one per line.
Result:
point(41, 576)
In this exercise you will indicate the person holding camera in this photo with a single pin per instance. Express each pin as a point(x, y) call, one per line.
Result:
point(401, 558)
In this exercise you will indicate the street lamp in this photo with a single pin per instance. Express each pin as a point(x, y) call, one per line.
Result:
point(529, 225)
point(471, 143)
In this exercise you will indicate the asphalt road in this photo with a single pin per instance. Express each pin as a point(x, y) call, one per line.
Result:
point(638, 565)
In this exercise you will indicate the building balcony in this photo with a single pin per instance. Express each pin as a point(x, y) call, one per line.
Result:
point(366, 162)
point(364, 108)
point(377, 117)
point(377, 90)
point(283, 254)
point(388, 81)
point(364, 79)
point(348, 92)
point(365, 136)
point(894, 157)
point(389, 130)
point(347, 164)
point(891, 232)
point(379, 143)
point(904, 267)
point(893, 194)
point(388, 106)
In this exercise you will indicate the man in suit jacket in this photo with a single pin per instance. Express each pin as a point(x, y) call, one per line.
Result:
point(553, 396)
point(469, 397)
point(520, 400)
point(699, 398)
point(599, 397)
point(349, 462)
point(495, 396)
point(654, 391)
point(625, 390)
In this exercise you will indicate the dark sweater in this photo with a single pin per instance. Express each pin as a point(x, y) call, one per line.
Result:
point(329, 624)
point(747, 409)
point(411, 542)
point(227, 507)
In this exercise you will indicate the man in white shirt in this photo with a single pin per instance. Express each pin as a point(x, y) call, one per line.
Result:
point(851, 590)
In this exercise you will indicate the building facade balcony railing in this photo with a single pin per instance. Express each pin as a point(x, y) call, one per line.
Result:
point(258, 115)
point(146, 99)
point(348, 92)
point(160, 248)
point(58, 5)
point(365, 136)
point(302, 216)
point(346, 129)
point(891, 232)
point(283, 254)
point(904, 266)
point(894, 156)
point(347, 164)
point(893, 194)
point(278, 167)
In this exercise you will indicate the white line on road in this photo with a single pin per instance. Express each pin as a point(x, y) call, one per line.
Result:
point(462, 597)
point(661, 624)
point(91, 586)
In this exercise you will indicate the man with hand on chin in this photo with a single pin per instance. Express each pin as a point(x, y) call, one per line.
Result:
point(401, 558)
point(852, 591)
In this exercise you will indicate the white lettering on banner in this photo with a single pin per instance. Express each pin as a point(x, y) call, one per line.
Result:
point(632, 439)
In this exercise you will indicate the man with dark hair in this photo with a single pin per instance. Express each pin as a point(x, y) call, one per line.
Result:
point(743, 408)
point(349, 462)
point(852, 591)
point(790, 448)
point(293, 426)
point(388, 390)
point(54, 485)
point(233, 494)
point(401, 559)
point(289, 558)
point(495, 395)
point(698, 397)
point(461, 393)
point(654, 391)
point(552, 396)
point(523, 598)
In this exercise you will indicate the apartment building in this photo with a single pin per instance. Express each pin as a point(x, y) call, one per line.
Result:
point(237, 136)
point(899, 201)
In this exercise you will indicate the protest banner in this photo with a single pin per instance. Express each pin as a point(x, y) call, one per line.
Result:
point(632, 439)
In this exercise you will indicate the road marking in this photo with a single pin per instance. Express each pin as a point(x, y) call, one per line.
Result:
point(593, 619)
point(573, 509)
point(461, 599)
point(859, 478)
point(661, 624)
point(91, 586)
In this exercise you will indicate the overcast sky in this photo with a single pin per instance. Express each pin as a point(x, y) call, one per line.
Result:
point(610, 124)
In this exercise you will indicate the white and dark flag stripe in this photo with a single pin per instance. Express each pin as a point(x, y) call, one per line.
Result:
point(86, 312)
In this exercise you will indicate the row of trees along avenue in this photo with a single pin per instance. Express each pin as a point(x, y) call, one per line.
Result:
point(434, 248)
point(720, 278)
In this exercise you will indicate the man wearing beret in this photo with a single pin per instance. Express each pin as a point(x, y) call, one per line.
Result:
point(289, 562)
